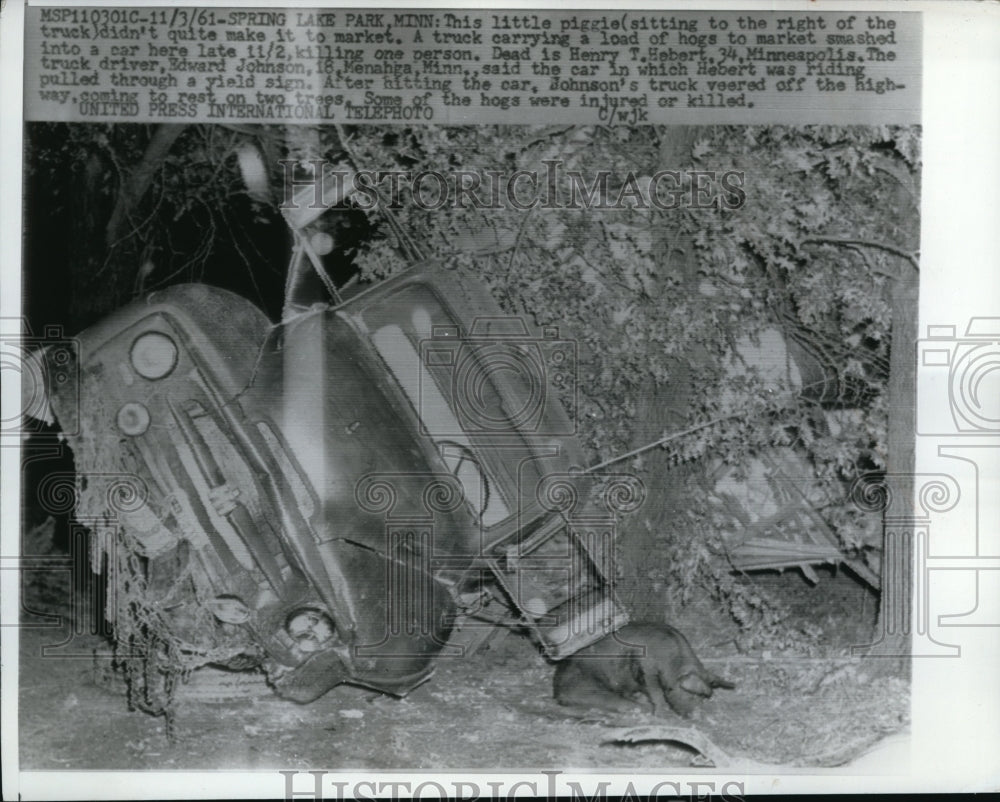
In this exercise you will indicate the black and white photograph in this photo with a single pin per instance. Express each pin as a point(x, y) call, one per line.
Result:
point(411, 393)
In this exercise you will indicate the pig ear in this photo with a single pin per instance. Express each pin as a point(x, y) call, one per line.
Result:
point(692, 683)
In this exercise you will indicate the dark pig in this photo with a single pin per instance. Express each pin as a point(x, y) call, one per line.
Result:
point(651, 660)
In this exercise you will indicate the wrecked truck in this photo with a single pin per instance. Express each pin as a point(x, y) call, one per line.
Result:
point(347, 496)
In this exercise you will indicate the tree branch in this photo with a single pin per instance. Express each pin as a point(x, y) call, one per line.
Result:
point(909, 257)
point(135, 186)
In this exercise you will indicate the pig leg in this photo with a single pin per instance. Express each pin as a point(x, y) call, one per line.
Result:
point(576, 688)
point(653, 684)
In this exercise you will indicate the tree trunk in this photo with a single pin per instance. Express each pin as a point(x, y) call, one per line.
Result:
point(659, 408)
point(893, 626)
point(133, 188)
point(107, 256)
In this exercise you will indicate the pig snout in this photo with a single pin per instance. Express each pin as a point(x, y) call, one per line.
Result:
point(692, 688)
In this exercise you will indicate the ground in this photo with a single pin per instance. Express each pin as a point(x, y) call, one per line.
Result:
point(493, 710)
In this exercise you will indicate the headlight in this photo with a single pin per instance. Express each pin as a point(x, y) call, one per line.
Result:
point(310, 628)
point(133, 419)
point(153, 355)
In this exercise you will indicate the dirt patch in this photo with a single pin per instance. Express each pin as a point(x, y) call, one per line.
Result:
point(493, 710)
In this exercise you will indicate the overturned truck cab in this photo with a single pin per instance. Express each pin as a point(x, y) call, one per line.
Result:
point(344, 497)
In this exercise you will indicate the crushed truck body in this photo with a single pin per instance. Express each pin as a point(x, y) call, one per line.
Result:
point(342, 497)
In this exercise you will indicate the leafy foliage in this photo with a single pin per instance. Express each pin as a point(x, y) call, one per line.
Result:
point(669, 302)
point(812, 253)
